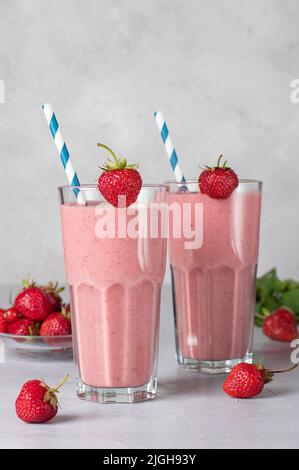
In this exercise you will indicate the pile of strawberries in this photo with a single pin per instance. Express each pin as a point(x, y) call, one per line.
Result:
point(37, 310)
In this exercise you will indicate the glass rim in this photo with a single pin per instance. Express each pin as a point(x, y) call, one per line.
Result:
point(35, 337)
point(242, 181)
point(89, 187)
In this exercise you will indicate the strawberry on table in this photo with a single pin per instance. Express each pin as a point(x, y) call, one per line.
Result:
point(56, 324)
point(32, 302)
point(119, 179)
point(218, 182)
point(23, 327)
point(37, 402)
point(281, 325)
point(248, 380)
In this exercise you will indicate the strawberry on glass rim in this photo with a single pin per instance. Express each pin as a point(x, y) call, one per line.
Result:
point(218, 182)
point(120, 183)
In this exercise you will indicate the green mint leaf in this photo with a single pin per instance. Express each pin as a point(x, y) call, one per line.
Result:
point(291, 300)
point(272, 293)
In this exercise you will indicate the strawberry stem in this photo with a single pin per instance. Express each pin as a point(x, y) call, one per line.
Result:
point(63, 382)
point(283, 370)
point(117, 163)
point(55, 389)
point(258, 315)
point(109, 150)
point(218, 161)
point(50, 394)
point(218, 164)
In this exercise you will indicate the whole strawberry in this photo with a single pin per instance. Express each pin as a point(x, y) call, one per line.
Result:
point(11, 315)
point(37, 402)
point(23, 327)
point(247, 380)
point(119, 183)
point(3, 325)
point(218, 182)
point(32, 302)
point(56, 324)
point(53, 291)
point(281, 325)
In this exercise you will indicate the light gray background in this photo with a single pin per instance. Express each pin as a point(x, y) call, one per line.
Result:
point(219, 69)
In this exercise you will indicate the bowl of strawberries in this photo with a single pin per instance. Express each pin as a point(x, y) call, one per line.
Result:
point(38, 322)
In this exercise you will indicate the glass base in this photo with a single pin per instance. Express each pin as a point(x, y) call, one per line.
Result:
point(117, 395)
point(211, 367)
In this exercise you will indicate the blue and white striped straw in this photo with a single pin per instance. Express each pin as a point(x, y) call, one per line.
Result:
point(170, 150)
point(63, 151)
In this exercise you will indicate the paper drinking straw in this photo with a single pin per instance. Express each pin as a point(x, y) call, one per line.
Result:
point(63, 151)
point(170, 150)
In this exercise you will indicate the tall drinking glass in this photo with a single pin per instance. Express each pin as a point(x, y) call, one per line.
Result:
point(115, 264)
point(213, 255)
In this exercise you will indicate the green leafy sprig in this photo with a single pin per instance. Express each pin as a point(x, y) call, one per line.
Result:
point(272, 293)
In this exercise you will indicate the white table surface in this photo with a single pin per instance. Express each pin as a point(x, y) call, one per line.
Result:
point(191, 410)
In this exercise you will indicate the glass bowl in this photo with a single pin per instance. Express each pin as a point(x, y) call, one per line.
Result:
point(39, 346)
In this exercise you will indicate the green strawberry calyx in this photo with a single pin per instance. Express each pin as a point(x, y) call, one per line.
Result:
point(50, 394)
point(27, 283)
point(53, 288)
point(117, 163)
point(65, 312)
point(218, 165)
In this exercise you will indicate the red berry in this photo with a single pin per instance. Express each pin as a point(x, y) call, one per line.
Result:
point(52, 290)
point(56, 324)
point(119, 179)
point(246, 380)
point(23, 327)
point(37, 402)
point(3, 325)
point(218, 182)
point(2, 311)
point(33, 303)
point(55, 301)
point(11, 315)
point(67, 309)
point(281, 325)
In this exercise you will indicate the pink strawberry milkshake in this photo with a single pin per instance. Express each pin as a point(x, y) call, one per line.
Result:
point(115, 286)
point(214, 284)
